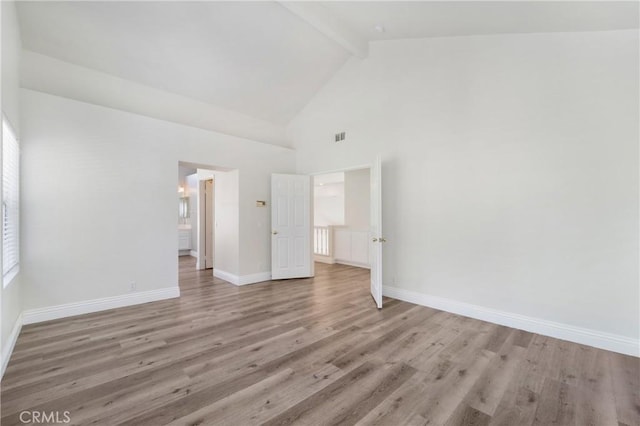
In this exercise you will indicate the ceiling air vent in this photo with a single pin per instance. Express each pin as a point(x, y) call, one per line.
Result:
point(340, 136)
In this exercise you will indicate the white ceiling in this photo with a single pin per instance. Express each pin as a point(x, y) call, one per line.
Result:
point(328, 179)
point(264, 59)
point(416, 19)
point(252, 57)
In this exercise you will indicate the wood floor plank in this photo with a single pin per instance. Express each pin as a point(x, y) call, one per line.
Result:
point(265, 399)
point(466, 415)
point(349, 398)
point(488, 391)
point(557, 404)
point(401, 406)
point(517, 407)
point(497, 338)
point(625, 374)
point(203, 392)
point(308, 351)
point(365, 399)
point(448, 384)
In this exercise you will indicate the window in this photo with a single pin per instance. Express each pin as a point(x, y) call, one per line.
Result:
point(10, 203)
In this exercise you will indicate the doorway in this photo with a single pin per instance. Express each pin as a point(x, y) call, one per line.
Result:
point(371, 241)
point(341, 207)
point(185, 212)
point(296, 239)
point(197, 215)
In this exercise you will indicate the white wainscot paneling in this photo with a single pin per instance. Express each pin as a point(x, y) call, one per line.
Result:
point(342, 244)
point(351, 247)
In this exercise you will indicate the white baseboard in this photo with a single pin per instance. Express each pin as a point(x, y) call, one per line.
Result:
point(7, 350)
point(356, 264)
point(31, 316)
point(585, 336)
point(242, 279)
point(226, 276)
point(324, 259)
point(193, 253)
point(254, 278)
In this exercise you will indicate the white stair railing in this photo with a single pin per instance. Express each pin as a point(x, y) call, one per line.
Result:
point(322, 240)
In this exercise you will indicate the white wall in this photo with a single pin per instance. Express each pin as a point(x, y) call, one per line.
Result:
point(357, 188)
point(328, 204)
point(204, 174)
point(11, 296)
point(226, 252)
point(510, 168)
point(183, 172)
point(11, 48)
point(92, 173)
point(255, 185)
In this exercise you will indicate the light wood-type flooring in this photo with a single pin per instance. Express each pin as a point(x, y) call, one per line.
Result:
point(308, 352)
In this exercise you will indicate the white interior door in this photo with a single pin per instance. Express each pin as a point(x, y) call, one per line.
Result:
point(200, 224)
point(375, 235)
point(208, 224)
point(291, 226)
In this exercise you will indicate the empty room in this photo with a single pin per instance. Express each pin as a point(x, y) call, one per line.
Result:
point(320, 213)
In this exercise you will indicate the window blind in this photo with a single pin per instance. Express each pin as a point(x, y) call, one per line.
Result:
point(10, 202)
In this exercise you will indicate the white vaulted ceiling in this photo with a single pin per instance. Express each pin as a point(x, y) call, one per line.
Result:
point(256, 58)
point(260, 61)
point(421, 19)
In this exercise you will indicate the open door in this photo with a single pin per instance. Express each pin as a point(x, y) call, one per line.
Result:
point(375, 233)
point(208, 223)
point(205, 224)
point(291, 227)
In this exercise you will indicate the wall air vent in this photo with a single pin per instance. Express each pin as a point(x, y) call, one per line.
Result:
point(340, 136)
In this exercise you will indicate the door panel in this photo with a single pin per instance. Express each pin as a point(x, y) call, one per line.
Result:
point(209, 206)
point(376, 239)
point(291, 242)
point(283, 253)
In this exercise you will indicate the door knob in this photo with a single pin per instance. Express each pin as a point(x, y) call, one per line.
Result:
point(375, 240)
point(382, 240)
point(274, 232)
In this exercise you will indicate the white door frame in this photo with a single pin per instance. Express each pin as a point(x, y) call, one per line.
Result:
point(369, 166)
point(346, 169)
point(200, 261)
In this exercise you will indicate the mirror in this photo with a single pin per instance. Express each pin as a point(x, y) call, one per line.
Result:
point(183, 207)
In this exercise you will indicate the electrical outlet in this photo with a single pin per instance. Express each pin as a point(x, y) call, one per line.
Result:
point(132, 286)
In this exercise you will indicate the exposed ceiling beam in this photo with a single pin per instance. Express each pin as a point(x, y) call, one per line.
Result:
point(322, 20)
